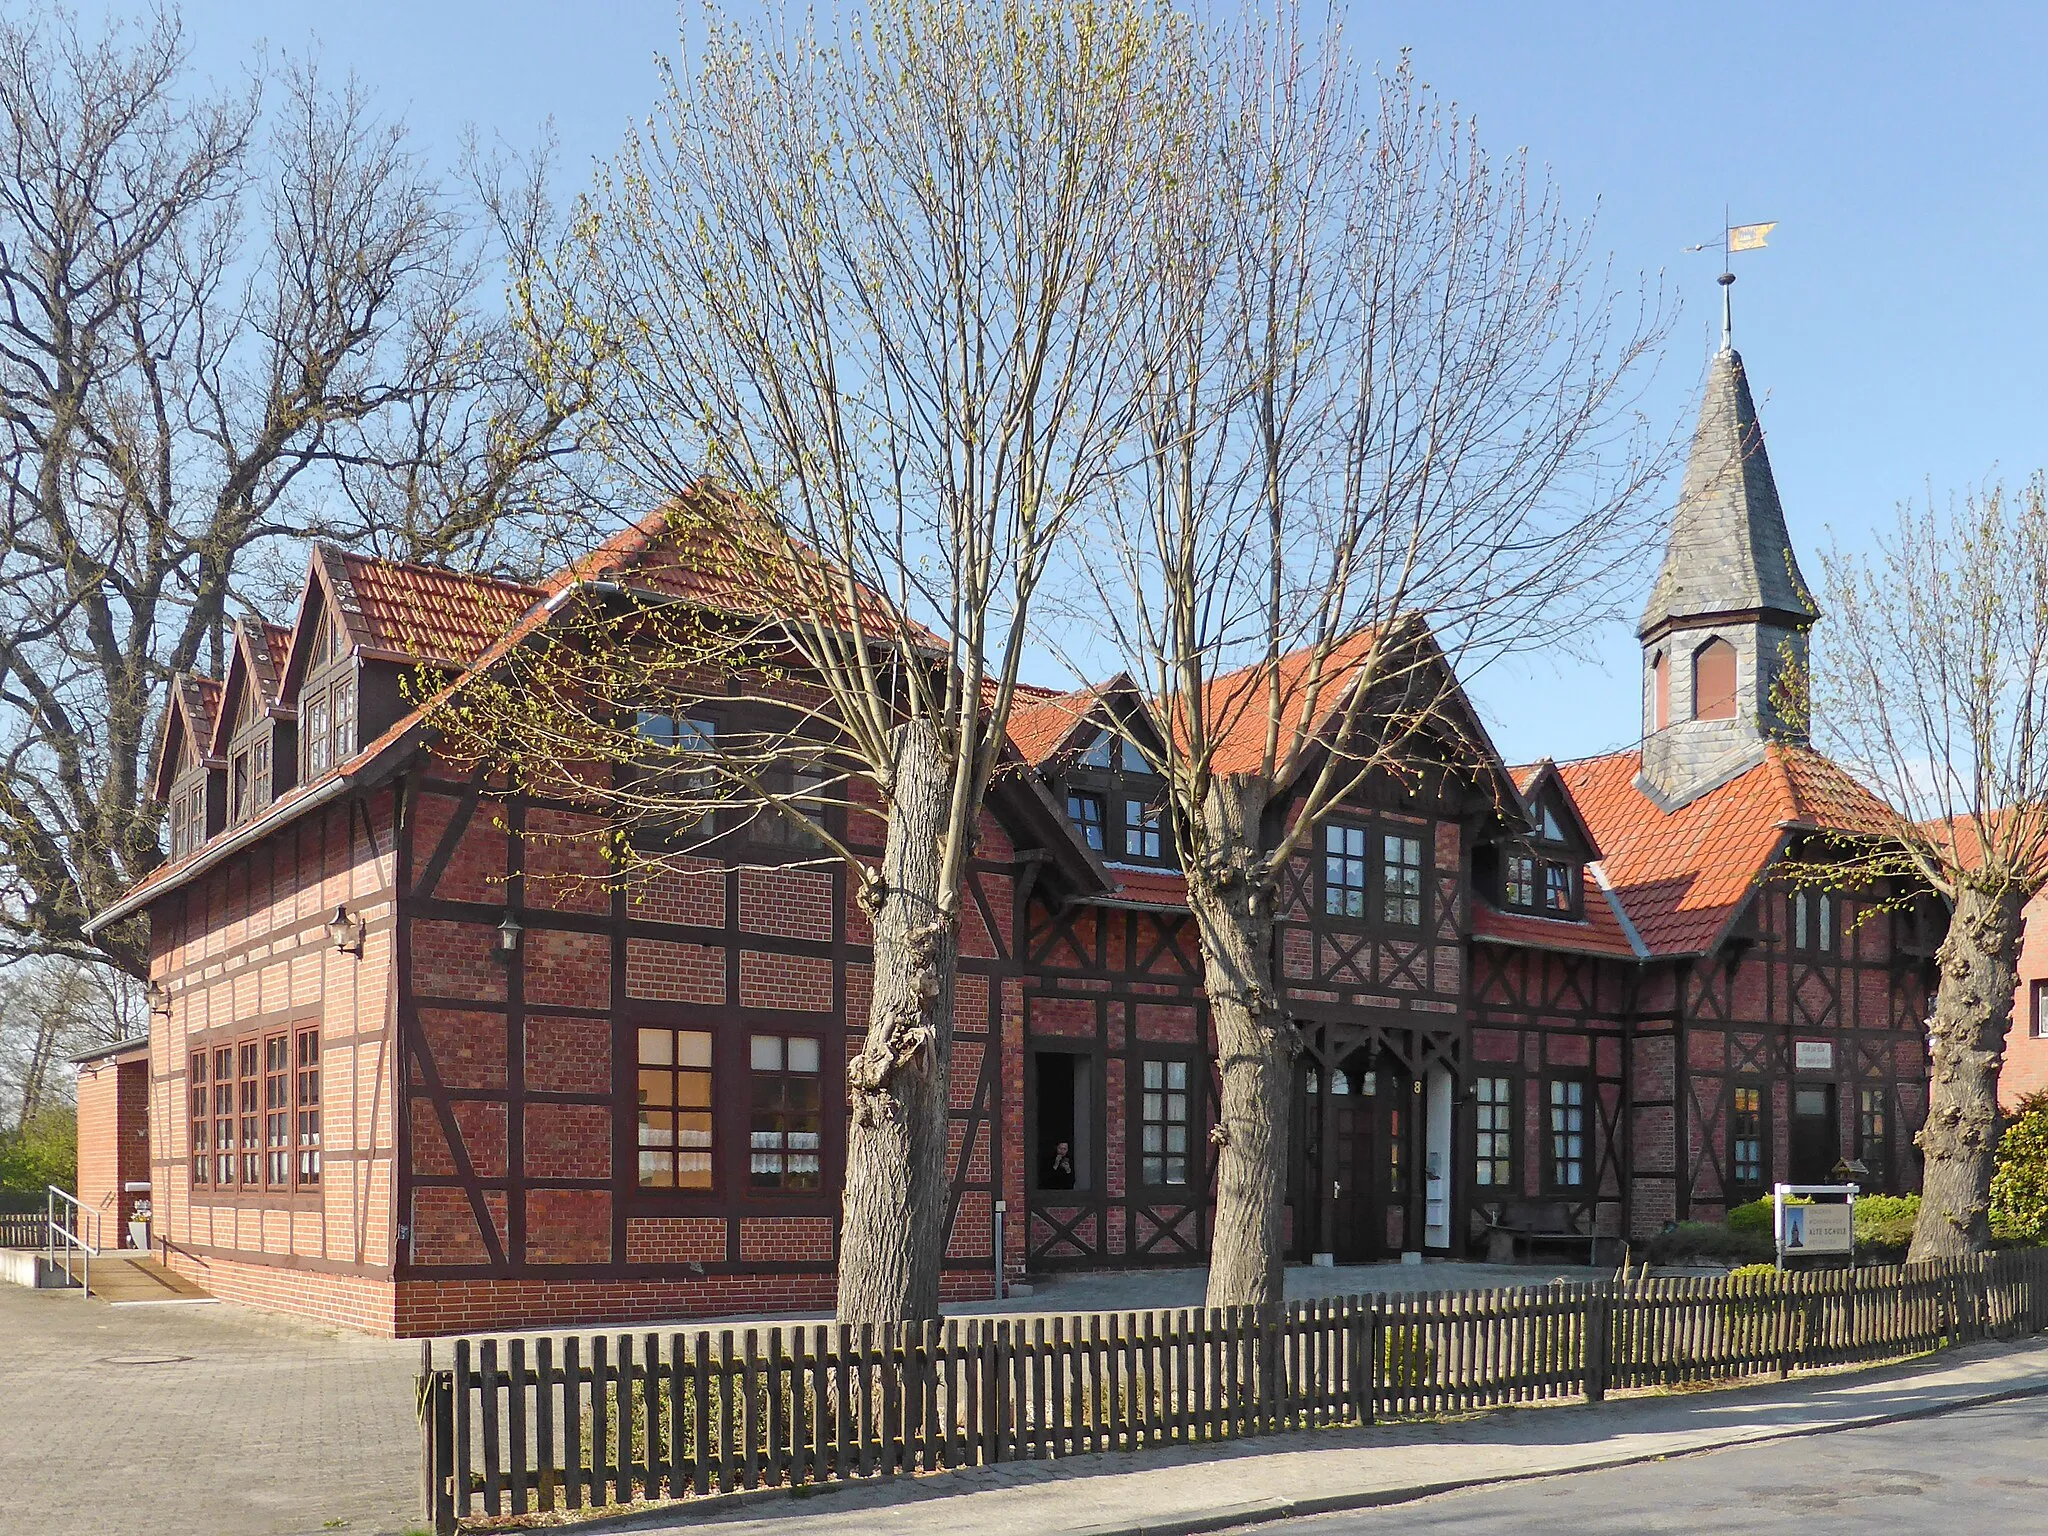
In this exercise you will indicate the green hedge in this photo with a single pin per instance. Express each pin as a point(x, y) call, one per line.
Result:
point(2019, 1176)
point(1710, 1242)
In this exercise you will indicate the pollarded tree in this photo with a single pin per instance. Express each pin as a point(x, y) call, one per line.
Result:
point(858, 311)
point(1389, 438)
point(1933, 689)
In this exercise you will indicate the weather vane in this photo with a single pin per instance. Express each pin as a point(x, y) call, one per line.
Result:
point(1734, 237)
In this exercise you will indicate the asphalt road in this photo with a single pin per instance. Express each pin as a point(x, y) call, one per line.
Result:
point(1979, 1470)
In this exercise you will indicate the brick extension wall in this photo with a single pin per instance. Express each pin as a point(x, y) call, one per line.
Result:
point(113, 1142)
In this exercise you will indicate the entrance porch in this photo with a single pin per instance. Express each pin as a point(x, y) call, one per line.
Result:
point(1375, 1122)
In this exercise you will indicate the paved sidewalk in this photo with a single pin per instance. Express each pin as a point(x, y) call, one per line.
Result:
point(1169, 1493)
point(210, 1420)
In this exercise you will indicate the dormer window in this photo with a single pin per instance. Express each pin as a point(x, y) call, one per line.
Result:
point(317, 741)
point(188, 820)
point(1114, 805)
point(1518, 880)
point(1085, 812)
point(1141, 831)
point(1542, 874)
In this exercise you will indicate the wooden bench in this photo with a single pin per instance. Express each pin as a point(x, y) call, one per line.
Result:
point(1525, 1224)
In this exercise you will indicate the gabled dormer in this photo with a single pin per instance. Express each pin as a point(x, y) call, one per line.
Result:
point(255, 735)
point(188, 778)
point(1096, 749)
point(1540, 871)
point(367, 630)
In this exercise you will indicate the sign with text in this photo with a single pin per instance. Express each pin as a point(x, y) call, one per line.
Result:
point(1813, 1055)
point(1818, 1229)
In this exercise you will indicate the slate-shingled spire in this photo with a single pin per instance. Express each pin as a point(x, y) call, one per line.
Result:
point(1729, 614)
point(1728, 551)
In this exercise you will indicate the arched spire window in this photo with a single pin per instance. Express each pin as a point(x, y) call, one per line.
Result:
point(1660, 691)
point(1713, 681)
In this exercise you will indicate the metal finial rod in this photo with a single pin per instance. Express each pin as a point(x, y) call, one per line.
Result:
point(1727, 282)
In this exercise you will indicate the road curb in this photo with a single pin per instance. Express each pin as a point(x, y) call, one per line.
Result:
point(1264, 1513)
point(666, 1518)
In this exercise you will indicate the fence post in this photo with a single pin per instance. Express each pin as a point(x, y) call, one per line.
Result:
point(423, 1405)
point(1375, 1329)
point(1598, 1315)
point(444, 1454)
point(1358, 1360)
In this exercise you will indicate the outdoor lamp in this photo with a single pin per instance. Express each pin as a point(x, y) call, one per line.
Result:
point(345, 929)
point(159, 997)
point(508, 934)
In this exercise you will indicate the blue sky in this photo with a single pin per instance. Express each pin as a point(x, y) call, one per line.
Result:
point(1894, 331)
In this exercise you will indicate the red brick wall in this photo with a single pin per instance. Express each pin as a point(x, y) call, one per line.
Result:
point(2026, 1057)
point(243, 951)
point(363, 1302)
point(113, 1142)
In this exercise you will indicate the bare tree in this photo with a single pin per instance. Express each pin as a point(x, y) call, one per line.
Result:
point(49, 1009)
point(225, 324)
point(1933, 689)
point(1389, 435)
point(857, 310)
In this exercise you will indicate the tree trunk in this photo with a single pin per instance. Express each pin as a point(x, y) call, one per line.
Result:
point(1966, 1041)
point(1256, 1045)
point(893, 1237)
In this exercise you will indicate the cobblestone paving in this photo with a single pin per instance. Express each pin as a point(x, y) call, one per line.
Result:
point(199, 1421)
point(227, 1421)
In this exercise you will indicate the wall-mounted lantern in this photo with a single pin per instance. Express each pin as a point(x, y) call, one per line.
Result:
point(159, 998)
point(508, 935)
point(345, 930)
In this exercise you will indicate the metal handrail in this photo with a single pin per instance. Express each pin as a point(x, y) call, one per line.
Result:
point(74, 1237)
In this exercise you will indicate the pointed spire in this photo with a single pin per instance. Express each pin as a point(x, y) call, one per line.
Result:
point(1729, 550)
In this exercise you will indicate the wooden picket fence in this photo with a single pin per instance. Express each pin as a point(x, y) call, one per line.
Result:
point(517, 1425)
point(22, 1229)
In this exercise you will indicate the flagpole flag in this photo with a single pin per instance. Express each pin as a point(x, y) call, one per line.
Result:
point(1749, 237)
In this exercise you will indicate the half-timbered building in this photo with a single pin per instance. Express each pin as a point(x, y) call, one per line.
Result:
point(417, 1063)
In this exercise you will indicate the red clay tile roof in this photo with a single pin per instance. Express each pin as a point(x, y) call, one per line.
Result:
point(202, 704)
point(1600, 933)
point(1237, 703)
point(435, 615)
point(1681, 876)
point(1040, 726)
point(277, 640)
point(1153, 887)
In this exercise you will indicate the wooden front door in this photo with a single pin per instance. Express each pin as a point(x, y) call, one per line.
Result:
point(1354, 1129)
point(1370, 1163)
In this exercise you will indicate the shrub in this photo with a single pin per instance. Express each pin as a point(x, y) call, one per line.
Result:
point(1884, 1223)
point(1754, 1272)
point(1710, 1242)
point(1753, 1217)
point(2019, 1177)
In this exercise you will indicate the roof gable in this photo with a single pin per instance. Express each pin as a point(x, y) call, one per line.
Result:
point(394, 611)
point(1544, 788)
point(186, 736)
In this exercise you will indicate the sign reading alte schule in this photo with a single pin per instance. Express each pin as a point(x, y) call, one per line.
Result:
point(1817, 1229)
